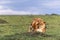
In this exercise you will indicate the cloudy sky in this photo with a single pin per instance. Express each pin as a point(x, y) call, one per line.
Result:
point(26, 7)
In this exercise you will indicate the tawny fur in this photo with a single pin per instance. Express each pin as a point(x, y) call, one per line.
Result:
point(37, 24)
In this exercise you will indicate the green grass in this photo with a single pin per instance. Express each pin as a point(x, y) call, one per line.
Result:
point(17, 27)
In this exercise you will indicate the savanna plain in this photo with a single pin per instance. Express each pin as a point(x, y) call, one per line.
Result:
point(15, 27)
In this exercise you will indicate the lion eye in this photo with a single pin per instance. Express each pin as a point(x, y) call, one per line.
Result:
point(38, 24)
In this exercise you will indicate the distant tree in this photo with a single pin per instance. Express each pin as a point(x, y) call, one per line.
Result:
point(54, 14)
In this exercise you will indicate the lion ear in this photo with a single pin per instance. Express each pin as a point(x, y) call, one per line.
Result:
point(45, 22)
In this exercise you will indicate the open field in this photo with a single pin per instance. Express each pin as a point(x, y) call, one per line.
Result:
point(17, 27)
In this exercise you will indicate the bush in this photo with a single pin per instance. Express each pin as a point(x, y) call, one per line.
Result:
point(3, 21)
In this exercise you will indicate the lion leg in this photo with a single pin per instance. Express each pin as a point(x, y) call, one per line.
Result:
point(30, 29)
